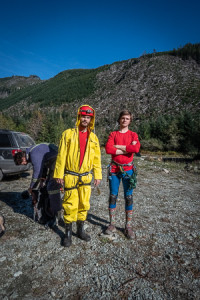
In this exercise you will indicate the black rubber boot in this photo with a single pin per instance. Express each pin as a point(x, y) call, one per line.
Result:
point(68, 235)
point(81, 232)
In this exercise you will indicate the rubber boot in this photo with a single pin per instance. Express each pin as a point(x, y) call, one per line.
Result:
point(68, 235)
point(81, 232)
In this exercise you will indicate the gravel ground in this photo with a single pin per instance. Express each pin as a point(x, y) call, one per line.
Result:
point(161, 263)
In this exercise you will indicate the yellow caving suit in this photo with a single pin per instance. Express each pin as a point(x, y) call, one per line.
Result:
point(76, 201)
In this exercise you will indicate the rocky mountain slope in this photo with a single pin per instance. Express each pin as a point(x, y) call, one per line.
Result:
point(148, 86)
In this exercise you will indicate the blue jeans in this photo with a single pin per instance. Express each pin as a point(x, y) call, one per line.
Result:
point(114, 182)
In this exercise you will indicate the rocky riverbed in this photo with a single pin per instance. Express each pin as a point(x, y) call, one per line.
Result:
point(162, 262)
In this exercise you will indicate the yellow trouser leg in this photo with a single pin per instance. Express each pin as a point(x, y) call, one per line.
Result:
point(84, 202)
point(76, 204)
point(70, 206)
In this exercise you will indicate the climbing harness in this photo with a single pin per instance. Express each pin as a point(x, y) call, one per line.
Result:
point(79, 182)
point(133, 177)
point(121, 165)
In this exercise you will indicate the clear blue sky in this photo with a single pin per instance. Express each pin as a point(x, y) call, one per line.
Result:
point(45, 37)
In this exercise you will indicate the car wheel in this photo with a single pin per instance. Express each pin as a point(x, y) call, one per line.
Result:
point(1, 175)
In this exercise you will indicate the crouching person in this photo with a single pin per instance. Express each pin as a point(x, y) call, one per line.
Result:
point(78, 155)
point(43, 158)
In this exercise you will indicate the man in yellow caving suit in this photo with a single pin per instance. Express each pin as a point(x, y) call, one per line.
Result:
point(78, 155)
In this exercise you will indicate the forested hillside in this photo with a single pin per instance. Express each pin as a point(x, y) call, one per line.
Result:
point(161, 89)
point(10, 85)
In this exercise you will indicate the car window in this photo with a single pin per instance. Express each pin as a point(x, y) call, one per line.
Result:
point(4, 140)
point(24, 140)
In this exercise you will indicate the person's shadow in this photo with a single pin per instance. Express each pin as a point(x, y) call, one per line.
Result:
point(24, 206)
point(97, 221)
point(15, 199)
point(17, 203)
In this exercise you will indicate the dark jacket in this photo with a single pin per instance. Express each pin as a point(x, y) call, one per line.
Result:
point(41, 156)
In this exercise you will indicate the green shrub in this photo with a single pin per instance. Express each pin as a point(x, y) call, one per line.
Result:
point(152, 145)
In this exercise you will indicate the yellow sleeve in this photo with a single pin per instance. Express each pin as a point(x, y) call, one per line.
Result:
point(62, 155)
point(97, 161)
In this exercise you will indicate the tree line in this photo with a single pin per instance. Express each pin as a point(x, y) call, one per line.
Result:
point(186, 52)
point(179, 133)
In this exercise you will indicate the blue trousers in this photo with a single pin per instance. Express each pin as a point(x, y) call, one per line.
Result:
point(114, 182)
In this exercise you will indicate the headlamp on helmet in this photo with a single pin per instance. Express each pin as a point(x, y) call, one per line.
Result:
point(86, 111)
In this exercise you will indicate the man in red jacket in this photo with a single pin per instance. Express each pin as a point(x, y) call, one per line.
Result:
point(122, 145)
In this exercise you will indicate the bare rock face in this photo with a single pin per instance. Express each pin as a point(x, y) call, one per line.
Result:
point(162, 262)
point(147, 86)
